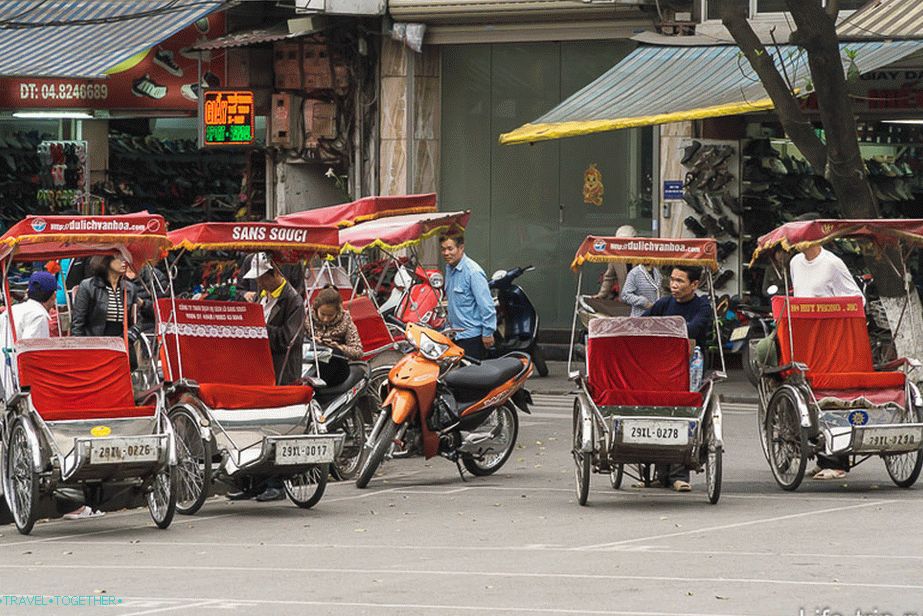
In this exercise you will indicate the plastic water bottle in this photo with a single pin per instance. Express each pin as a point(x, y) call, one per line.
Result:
point(696, 367)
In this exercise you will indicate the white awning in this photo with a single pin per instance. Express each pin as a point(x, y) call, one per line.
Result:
point(84, 38)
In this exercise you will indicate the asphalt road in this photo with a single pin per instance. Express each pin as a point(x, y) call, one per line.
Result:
point(422, 541)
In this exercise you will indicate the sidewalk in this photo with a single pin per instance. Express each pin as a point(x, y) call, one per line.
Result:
point(735, 389)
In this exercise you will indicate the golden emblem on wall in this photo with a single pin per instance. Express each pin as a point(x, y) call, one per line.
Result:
point(593, 186)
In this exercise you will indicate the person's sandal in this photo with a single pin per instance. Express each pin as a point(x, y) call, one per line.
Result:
point(830, 473)
point(681, 486)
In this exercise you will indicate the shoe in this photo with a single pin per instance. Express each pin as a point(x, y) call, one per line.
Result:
point(723, 278)
point(693, 225)
point(689, 152)
point(714, 202)
point(830, 473)
point(191, 90)
point(731, 203)
point(681, 486)
point(164, 59)
point(693, 201)
point(755, 173)
point(84, 513)
point(711, 225)
point(728, 225)
point(239, 495)
point(773, 165)
point(145, 86)
point(270, 494)
point(725, 249)
point(720, 181)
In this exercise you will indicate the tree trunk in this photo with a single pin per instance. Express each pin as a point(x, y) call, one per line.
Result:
point(845, 170)
point(840, 159)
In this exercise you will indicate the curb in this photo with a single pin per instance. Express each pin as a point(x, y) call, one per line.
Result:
point(736, 399)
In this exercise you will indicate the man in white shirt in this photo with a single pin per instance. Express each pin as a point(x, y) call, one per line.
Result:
point(817, 272)
point(30, 318)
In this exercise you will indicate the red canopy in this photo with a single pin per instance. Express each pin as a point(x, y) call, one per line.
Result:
point(367, 208)
point(802, 234)
point(138, 237)
point(653, 251)
point(287, 242)
point(401, 231)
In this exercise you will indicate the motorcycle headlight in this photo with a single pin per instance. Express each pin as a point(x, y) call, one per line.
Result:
point(430, 348)
point(437, 280)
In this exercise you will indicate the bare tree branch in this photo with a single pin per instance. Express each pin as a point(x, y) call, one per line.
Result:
point(796, 125)
point(833, 9)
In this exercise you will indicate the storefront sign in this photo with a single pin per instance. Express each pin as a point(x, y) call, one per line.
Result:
point(226, 118)
point(163, 77)
point(884, 92)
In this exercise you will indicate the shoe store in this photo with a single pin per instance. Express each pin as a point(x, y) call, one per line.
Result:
point(127, 142)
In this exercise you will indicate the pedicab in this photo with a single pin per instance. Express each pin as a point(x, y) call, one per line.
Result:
point(634, 407)
point(234, 424)
point(826, 397)
point(70, 429)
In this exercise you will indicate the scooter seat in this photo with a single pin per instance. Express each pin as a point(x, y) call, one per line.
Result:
point(483, 378)
point(357, 370)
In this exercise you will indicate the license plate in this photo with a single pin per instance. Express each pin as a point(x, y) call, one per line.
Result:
point(654, 432)
point(740, 333)
point(305, 451)
point(892, 439)
point(127, 450)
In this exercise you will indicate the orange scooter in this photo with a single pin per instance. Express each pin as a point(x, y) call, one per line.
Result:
point(436, 406)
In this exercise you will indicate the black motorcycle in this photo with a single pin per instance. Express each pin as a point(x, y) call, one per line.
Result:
point(517, 319)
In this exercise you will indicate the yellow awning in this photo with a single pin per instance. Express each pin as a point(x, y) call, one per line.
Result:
point(662, 84)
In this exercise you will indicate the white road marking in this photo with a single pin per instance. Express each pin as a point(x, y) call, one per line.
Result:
point(615, 544)
point(404, 573)
point(646, 549)
point(183, 606)
point(108, 530)
point(444, 609)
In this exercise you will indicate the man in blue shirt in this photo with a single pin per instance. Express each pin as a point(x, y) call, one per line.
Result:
point(471, 307)
point(696, 310)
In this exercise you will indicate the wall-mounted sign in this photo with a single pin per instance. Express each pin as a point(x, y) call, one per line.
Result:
point(226, 117)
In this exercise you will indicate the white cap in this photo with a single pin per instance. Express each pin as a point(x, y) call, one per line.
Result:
point(259, 266)
point(626, 231)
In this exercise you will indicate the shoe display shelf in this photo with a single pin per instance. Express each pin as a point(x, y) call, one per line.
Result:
point(176, 179)
point(710, 205)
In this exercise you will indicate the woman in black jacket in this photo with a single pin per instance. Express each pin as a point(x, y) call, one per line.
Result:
point(99, 309)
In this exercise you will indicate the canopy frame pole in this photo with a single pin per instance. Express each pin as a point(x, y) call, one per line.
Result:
point(714, 310)
point(788, 314)
point(573, 325)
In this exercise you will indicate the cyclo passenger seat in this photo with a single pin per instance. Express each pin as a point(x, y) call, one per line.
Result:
point(373, 331)
point(224, 347)
point(75, 378)
point(639, 361)
point(830, 336)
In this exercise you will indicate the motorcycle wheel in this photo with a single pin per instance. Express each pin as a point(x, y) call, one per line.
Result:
point(509, 430)
point(538, 358)
point(348, 463)
point(373, 461)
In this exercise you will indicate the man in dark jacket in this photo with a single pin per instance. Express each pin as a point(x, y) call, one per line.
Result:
point(284, 311)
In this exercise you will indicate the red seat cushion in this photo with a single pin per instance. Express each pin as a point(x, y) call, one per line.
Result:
point(639, 361)
point(373, 331)
point(636, 397)
point(78, 378)
point(111, 413)
point(857, 380)
point(226, 396)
